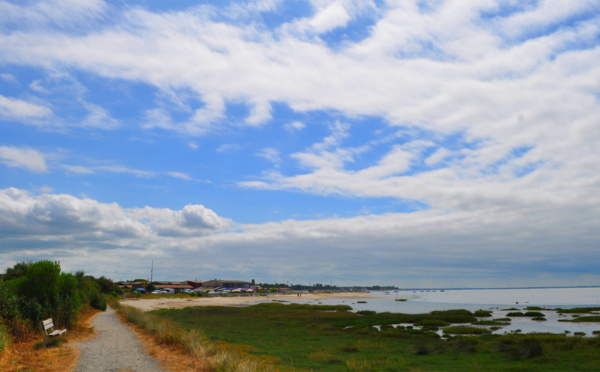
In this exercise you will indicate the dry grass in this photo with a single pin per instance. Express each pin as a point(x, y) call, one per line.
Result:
point(27, 355)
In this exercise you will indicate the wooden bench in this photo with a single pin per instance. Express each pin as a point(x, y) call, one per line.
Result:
point(48, 331)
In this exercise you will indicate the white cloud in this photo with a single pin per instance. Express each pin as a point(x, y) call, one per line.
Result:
point(22, 157)
point(12, 108)
point(229, 148)
point(9, 78)
point(426, 245)
point(77, 169)
point(294, 126)
point(180, 175)
point(270, 154)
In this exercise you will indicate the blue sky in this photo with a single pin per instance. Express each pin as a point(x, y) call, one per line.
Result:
point(414, 143)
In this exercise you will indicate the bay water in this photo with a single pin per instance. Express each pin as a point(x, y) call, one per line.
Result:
point(499, 301)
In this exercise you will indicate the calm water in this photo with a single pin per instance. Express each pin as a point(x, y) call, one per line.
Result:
point(497, 300)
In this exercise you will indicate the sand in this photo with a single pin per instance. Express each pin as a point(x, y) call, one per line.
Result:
point(180, 303)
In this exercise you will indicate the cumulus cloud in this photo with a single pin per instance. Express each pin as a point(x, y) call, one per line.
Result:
point(62, 217)
point(402, 246)
point(21, 157)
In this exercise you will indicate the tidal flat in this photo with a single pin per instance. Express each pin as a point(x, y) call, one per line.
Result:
point(334, 338)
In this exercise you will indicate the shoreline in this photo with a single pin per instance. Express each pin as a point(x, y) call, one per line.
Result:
point(149, 304)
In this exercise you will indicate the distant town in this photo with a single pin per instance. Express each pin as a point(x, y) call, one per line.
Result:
point(217, 286)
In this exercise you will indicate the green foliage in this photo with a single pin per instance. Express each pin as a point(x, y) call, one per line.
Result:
point(39, 293)
point(69, 302)
point(17, 271)
point(98, 301)
point(482, 313)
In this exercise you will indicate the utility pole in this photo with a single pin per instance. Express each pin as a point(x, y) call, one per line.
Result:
point(152, 273)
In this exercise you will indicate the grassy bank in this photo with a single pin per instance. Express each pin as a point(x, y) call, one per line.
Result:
point(328, 338)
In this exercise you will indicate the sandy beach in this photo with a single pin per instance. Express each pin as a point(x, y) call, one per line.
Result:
point(179, 303)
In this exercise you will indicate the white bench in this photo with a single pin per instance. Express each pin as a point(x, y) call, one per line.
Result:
point(48, 331)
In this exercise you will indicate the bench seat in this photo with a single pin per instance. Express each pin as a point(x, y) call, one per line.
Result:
point(48, 331)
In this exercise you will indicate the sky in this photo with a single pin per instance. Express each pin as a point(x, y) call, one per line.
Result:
point(442, 143)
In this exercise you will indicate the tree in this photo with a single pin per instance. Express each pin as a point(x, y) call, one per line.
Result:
point(17, 271)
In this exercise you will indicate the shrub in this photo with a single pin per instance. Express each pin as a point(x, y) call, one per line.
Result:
point(68, 300)
point(98, 301)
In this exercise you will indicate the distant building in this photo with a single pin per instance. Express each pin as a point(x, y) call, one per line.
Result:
point(177, 288)
point(218, 283)
point(132, 285)
point(194, 283)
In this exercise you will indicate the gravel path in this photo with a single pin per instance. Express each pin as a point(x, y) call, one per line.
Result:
point(115, 349)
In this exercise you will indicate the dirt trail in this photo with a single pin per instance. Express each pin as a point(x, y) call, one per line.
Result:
point(115, 349)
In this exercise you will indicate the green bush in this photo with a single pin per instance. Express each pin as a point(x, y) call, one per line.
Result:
point(44, 293)
point(98, 301)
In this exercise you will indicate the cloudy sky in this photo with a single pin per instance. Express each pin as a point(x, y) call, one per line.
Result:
point(442, 143)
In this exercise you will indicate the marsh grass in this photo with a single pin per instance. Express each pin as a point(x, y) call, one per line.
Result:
point(466, 330)
point(322, 339)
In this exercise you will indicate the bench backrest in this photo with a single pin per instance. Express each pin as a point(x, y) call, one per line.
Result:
point(48, 324)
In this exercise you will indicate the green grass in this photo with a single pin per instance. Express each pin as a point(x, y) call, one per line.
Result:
point(583, 319)
point(466, 330)
point(331, 339)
